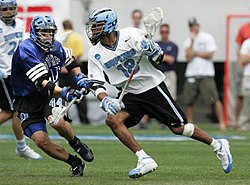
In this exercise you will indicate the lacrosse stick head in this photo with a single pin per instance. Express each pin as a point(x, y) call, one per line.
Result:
point(57, 114)
point(152, 21)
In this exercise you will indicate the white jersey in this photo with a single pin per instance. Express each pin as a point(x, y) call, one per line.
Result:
point(204, 42)
point(10, 37)
point(245, 50)
point(118, 61)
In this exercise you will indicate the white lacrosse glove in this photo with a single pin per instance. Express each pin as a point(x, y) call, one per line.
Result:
point(111, 105)
point(150, 49)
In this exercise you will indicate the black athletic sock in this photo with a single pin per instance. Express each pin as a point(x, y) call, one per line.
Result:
point(75, 143)
point(71, 159)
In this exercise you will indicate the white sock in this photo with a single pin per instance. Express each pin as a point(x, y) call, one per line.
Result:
point(21, 144)
point(215, 145)
point(140, 154)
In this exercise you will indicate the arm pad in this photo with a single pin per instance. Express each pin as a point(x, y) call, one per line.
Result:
point(72, 65)
point(47, 90)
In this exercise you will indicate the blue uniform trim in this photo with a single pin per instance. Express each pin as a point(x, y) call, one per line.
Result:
point(35, 127)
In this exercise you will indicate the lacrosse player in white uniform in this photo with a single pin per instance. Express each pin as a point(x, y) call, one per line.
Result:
point(11, 34)
point(111, 58)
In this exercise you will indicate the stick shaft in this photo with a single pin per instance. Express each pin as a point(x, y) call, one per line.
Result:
point(129, 79)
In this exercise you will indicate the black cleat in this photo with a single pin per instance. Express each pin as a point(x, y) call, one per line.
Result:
point(85, 152)
point(77, 167)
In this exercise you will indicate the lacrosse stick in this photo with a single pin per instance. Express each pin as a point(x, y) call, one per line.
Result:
point(59, 112)
point(151, 23)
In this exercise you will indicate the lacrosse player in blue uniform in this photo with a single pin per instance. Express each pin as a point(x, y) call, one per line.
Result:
point(35, 68)
point(115, 53)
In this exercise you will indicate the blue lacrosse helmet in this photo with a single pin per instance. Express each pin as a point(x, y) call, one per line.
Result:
point(42, 31)
point(101, 21)
point(8, 11)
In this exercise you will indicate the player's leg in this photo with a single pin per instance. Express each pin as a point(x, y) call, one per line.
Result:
point(119, 125)
point(116, 123)
point(4, 116)
point(210, 96)
point(7, 113)
point(65, 130)
point(38, 133)
point(190, 93)
point(220, 146)
point(22, 149)
point(176, 120)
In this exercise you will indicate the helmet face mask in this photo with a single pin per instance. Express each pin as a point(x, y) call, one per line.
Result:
point(95, 31)
point(46, 38)
point(42, 31)
point(101, 22)
point(8, 11)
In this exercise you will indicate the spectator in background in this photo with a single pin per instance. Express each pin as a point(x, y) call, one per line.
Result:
point(75, 42)
point(167, 66)
point(244, 59)
point(200, 48)
point(137, 19)
point(243, 34)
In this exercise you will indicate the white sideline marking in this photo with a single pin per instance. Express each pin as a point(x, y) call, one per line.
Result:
point(139, 138)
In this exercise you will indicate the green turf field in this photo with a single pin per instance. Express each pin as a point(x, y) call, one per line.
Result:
point(180, 162)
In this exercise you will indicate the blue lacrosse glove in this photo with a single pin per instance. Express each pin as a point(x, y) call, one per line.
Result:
point(3, 74)
point(151, 49)
point(69, 94)
point(111, 105)
point(81, 81)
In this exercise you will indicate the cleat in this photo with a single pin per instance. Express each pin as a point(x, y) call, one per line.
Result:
point(77, 167)
point(223, 154)
point(144, 166)
point(28, 153)
point(85, 152)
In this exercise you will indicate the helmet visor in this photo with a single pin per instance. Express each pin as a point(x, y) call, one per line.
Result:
point(46, 37)
point(95, 30)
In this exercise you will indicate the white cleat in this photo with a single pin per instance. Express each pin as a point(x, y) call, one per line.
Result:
point(223, 154)
point(28, 153)
point(144, 166)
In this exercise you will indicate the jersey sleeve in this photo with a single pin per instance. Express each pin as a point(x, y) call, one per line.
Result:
point(245, 48)
point(67, 56)
point(31, 65)
point(211, 45)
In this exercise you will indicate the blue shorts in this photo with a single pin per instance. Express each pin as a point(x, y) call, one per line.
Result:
point(34, 127)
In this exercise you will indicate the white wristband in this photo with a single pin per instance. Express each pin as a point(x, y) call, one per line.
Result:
point(99, 90)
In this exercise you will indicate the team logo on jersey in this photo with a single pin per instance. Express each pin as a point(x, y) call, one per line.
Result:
point(52, 60)
point(13, 36)
point(97, 56)
point(120, 59)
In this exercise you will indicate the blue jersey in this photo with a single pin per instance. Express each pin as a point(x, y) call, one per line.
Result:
point(30, 62)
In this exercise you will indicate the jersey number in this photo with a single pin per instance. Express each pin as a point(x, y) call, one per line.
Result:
point(53, 102)
point(13, 46)
point(127, 67)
